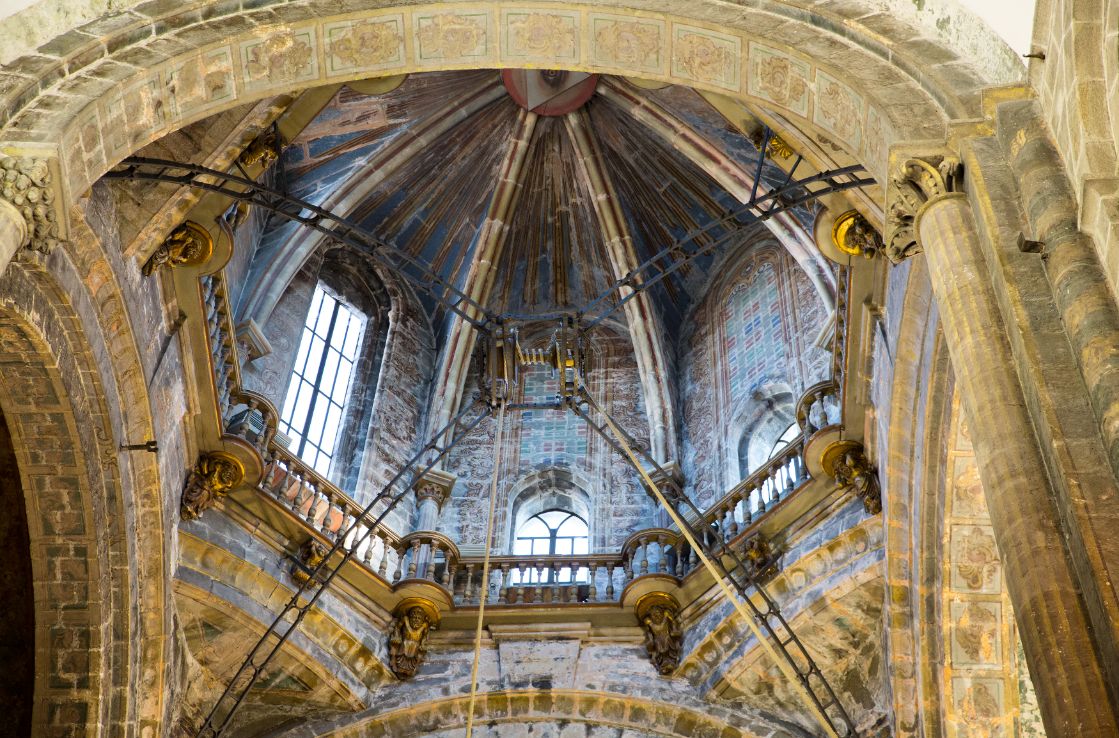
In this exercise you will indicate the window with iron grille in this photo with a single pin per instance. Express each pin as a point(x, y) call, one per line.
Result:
point(552, 533)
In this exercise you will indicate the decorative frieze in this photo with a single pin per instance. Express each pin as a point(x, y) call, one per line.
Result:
point(26, 184)
point(188, 245)
point(915, 183)
point(846, 462)
point(659, 615)
point(413, 618)
point(213, 477)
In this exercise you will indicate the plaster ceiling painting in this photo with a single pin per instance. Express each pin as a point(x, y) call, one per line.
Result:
point(560, 370)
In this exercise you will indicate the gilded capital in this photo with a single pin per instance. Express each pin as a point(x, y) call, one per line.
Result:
point(914, 183)
point(659, 615)
point(212, 478)
point(188, 245)
point(26, 184)
point(846, 463)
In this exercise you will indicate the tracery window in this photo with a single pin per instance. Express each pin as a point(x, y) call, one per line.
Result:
point(315, 402)
point(552, 533)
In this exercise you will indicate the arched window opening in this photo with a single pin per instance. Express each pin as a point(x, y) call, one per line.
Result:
point(786, 438)
point(315, 403)
point(552, 533)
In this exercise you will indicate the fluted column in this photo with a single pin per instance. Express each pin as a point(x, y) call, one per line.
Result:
point(927, 214)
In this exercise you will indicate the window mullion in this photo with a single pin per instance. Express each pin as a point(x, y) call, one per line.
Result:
point(315, 389)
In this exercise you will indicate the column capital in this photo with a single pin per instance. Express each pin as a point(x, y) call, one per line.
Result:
point(914, 183)
point(434, 485)
point(27, 184)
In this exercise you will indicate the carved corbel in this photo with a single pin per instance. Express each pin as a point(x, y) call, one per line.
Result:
point(413, 618)
point(853, 234)
point(761, 558)
point(659, 615)
point(846, 463)
point(188, 245)
point(26, 184)
point(211, 479)
point(311, 554)
point(264, 150)
point(915, 183)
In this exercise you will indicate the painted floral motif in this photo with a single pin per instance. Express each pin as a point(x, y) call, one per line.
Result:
point(838, 109)
point(628, 44)
point(976, 559)
point(450, 36)
point(780, 81)
point(968, 500)
point(979, 709)
point(541, 34)
point(702, 58)
point(280, 57)
point(367, 44)
point(976, 633)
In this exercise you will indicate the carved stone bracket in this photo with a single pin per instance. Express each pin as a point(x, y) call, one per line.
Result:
point(188, 245)
point(413, 618)
point(659, 615)
point(211, 479)
point(26, 184)
point(311, 554)
point(914, 183)
point(853, 234)
point(264, 150)
point(846, 462)
point(760, 557)
point(434, 485)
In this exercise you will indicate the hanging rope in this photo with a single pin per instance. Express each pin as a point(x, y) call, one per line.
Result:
point(485, 569)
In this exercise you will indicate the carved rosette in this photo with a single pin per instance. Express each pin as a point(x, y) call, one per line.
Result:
point(853, 234)
point(846, 462)
point(915, 183)
point(26, 184)
point(659, 615)
point(211, 479)
point(264, 150)
point(311, 554)
point(188, 245)
point(413, 618)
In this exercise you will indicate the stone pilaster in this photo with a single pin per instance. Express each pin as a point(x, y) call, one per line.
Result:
point(927, 214)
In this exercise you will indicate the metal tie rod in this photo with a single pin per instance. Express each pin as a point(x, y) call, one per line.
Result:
point(767, 625)
point(323, 574)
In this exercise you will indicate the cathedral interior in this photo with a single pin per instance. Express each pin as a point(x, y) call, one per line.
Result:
point(626, 369)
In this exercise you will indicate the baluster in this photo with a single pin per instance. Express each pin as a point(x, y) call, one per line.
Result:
point(627, 566)
point(548, 592)
point(431, 553)
point(383, 567)
point(730, 526)
point(643, 544)
point(415, 558)
point(324, 526)
point(370, 542)
point(449, 568)
point(592, 576)
point(469, 588)
point(399, 551)
point(504, 585)
point(610, 582)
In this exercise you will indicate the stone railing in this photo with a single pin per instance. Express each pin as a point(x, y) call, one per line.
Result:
point(222, 339)
point(754, 495)
point(818, 407)
point(543, 580)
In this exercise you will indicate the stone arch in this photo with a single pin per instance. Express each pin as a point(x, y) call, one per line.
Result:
point(173, 68)
point(76, 518)
point(547, 489)
point(517, 707)
point(760, 423)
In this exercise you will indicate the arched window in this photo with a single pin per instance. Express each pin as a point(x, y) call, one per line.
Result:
point(786, 438)
point(315, 403)
point(552, 533)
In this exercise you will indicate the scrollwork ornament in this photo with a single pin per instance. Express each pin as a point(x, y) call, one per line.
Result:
point(912, 185)
point(26, 184)
point(212, 478)
point(853, 234)
point(188, 245)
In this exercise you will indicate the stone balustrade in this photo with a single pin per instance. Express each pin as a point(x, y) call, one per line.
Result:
point(818, 407)
point(759, 492)
point(222, 339)
point(542, 580)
